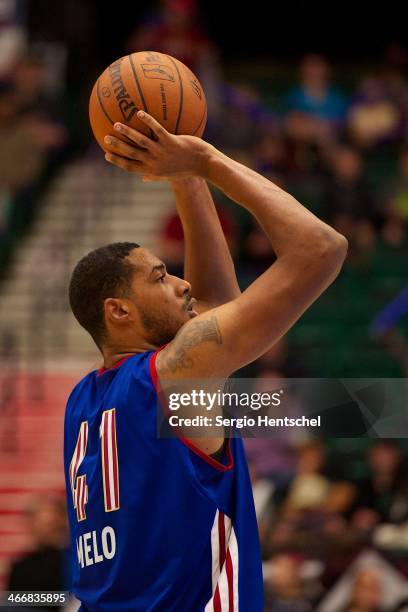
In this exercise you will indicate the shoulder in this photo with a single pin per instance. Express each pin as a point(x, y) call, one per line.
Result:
point(140, 367)
point(80, 387)
point(180, 356)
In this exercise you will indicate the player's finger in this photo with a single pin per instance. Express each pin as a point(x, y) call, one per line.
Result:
point(134, 136)
point(124, 163)
point(154, 125)
point(115, 145)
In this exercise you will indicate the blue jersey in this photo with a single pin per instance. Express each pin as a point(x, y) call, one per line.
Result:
point(156, 524)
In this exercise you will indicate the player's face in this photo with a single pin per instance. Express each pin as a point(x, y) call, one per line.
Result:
point(164, 302)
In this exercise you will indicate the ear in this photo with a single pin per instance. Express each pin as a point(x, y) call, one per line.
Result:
point(117, 310)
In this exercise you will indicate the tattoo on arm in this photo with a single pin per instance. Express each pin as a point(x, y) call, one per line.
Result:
point(188, 337)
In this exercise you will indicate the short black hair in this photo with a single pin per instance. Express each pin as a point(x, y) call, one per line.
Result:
point(102, 273)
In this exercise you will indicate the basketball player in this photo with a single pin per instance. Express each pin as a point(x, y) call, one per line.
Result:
point(168, 525)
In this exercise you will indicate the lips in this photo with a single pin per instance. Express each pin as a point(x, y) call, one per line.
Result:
point(190, 307)
point(190, 304)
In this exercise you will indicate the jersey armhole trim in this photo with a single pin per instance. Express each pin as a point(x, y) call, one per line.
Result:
point(188, 442)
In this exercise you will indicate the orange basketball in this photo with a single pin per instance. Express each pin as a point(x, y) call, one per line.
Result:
point(154, 82)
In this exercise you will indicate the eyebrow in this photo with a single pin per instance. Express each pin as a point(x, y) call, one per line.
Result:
point(159, 268)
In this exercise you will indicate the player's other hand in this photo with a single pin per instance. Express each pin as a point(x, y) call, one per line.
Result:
point(164, 158)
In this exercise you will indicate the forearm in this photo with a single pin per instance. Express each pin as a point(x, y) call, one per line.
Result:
point(208, 265)
point(290, 227)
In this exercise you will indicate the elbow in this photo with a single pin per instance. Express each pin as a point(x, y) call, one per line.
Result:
point(328, 251)
point(335, 245)
point(338, 247)
point(334, 251)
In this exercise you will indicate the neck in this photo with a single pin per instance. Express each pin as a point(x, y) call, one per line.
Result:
point(113, 354)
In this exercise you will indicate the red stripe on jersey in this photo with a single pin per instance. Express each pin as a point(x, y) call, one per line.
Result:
point(76, 496)
point(81, 498)
point(221, 532)
point(79, 451)
point(115, 462)
point(77, 454)
point(110, 460)
point(85, 499)
point(80, 488)
point(106, 460)
point(230, 577)
point(217, 600)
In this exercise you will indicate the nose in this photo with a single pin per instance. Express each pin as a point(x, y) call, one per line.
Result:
point(183, 287)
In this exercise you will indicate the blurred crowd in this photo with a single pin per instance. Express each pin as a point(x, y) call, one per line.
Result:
point(323, 509)
point(337, 139)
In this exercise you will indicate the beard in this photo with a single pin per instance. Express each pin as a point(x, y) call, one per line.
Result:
point(160, 327)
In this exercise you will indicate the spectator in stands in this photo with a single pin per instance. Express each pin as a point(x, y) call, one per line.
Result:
point(382, 495)
point(394, 78)
point(367, 592)
point(280, 362)
point(171, 240)
point(45, 567)
point(171, 244)
point(269, 156)
point(21, 156)
point(12, 36)
point(256, 255)
point(348, 201)
point(394, 231)
point(284, 588)
point(372, 118)
point(22, 162)
point(309, 509)
point(174, 30)
point(314, 115)
point(368, 583)
point(246, 121)
point(310, 488)
point(315, 109)
point(37, 107)
point(271, 458)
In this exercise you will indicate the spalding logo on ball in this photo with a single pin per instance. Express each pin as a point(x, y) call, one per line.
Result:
point(154, 82)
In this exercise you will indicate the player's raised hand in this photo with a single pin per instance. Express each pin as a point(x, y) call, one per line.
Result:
point(165, 156)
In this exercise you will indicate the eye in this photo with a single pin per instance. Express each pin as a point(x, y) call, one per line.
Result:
point(161, 278)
